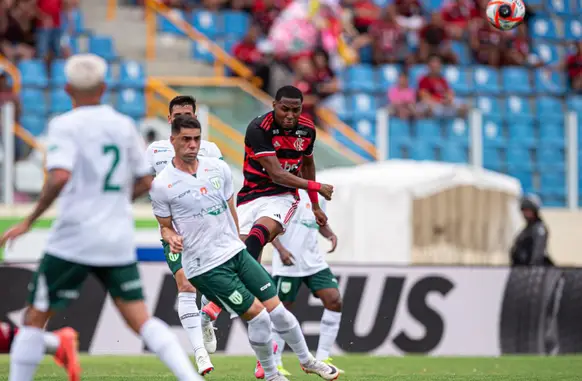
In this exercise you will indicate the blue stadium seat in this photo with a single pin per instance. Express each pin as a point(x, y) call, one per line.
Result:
point(573, 29)
point(431, 5)
point(550, 82)
point(359, 78)
point(107, 98)
point(74, 23)
point(33, 73)
point(199, 52)
point(388, 75)
point(399, 129)
point(33, 102)
point(110, 79)
point(552, 133)
point(525, 177)
point(535, 4)
point(548, 105)
point(516, 107)
point(57, 77)
point(340, 106)
point(574, 103)
point(236, 24)
point(422, 150)
point(560, 7)
point(366, 54)
point(549, 54)
point(60, 101)
point(459, 79)
point(132, 103)
point(489, 105)
point(428, 129)
point(415, 73)
point(72, 43)
point(519, 158)
point(543, 27)
point(33, 124)
point(400, 147)
point(228, 44)
point(516, 80)
point(550, 158)
point(493, 132)
point(486, 80)
point(132, 74)
point(363, 106)
point(206, 23)
point(103, 47)
point(553, 186)
point(366, 128)
point(455, 152)
point(166, 26)
point(457, 130)
point(492, 159)
point(522, 134)
point(382, 3)
point(462, 52)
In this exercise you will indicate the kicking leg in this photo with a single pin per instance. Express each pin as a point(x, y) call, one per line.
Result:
point(264, 230)
point(330, 322)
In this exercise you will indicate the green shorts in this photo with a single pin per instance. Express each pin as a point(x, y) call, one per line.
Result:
point(173, 260)
point(288, 287)
point(58, 282)
point(236, 283)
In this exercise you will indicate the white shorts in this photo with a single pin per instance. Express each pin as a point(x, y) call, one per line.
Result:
point(279, 208)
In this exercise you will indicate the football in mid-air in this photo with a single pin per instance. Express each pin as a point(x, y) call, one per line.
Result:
point(505, 14)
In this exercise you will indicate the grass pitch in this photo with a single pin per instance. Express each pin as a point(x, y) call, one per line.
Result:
point(365, 368)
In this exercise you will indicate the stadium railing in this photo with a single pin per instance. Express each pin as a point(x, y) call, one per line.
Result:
point(225, 60)
point(229, 140)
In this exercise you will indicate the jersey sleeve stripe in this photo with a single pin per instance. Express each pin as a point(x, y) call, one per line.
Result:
point(265, 153)
point(306, 122)
point(266, 123)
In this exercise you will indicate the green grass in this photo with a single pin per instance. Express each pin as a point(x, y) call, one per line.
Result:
point(148, 368)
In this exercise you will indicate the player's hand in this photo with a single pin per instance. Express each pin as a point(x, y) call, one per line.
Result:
point(326, 191)
point(286, 257)
point(333, 240)
point(14, 232)
point(176, 244)
point(320, 216)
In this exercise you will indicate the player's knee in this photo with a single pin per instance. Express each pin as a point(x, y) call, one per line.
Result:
point(36, 318)
point(183, 283)
point(333, 301)
point(256, 308)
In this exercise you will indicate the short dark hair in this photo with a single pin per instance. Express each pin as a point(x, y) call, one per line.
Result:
point(290, 92)
point(182, 100)
point(184, 121)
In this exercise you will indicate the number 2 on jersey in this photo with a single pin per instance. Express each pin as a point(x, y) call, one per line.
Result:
point(113, 150)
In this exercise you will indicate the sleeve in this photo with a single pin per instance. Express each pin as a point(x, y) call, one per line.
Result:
point(160, 203)
point(309, 150)
point(259, 140)
point(150, 159)
point(61, 147)
point(137, 155)
point(540, 241)
point(216, 152)
point(228, 183)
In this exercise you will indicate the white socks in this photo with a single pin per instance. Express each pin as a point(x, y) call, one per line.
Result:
point(26, 353)
point(160, 340)
point(280, 347)
point(261, 342)
point(287, 326)
point(191, 319)
point(330, 324)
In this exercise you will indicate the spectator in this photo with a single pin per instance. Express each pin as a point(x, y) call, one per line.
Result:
point(402, 99)
point(264, 14)
point(305, 80)
point(457, 14)
point(436, 97)
point(389, 40)
point(409, 14)
point(434, 41)
point(486, 43)
point(573, 66)
point(248, 52)
point(19, 40)
point(365, 13)
point(49, 32)
point(327, 83)
point(517, 52)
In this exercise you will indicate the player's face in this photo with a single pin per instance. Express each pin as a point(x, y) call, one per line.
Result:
point(181, 110)
point(186, 144)
point(287, 112)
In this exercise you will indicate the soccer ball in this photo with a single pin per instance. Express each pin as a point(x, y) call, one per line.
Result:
point(505, 14)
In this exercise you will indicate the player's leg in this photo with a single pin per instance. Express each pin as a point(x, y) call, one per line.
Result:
point(223, 285)
point(124, 286)
point(287, 289)
point(259, 282)
point(54, 285)
point(201, 335)
point(324, 286)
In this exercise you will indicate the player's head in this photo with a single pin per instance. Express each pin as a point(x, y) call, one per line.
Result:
point(287, 106)
point(186, 135)
point(181, 105)
point(85, 74)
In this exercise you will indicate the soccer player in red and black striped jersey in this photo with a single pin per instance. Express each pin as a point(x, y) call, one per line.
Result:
point(278, 161)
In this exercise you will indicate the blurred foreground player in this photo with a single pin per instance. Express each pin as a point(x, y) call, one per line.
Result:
point(199, 219)
point(200, 332)
point(297, 259)
point(278, 161)
point(96, 167)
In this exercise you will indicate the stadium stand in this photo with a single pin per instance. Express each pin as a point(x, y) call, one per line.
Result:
point(523, 106)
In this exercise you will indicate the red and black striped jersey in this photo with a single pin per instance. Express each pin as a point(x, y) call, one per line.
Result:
point(264, 137)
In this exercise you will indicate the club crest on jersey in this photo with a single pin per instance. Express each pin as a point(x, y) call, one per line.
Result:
point(236, 298)
point(298, 144)
point(215, 181)
point(285, 287)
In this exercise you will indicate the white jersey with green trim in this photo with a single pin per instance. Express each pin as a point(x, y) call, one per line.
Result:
point(198, 205)
point(104, 153)
point(301, 240)
point(161, 152)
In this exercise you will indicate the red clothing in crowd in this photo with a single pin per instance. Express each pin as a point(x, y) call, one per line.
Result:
point(387, 35)
point(53, 9)
point(437, 87)
point(574, 65)
point(247, 52)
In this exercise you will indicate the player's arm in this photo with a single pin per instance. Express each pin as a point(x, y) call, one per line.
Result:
point(326, 232)
point(232, 209)
point(140, 164)
point(540, 242)
point(163, 213)
point(56, 180)
point(285, 255)
point(308, 172)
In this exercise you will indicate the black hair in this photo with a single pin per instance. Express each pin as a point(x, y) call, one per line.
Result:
point(182, 100)
point(290, 92)
point(184, 121)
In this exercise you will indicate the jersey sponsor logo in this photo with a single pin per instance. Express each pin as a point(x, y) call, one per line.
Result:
point(236, 298)
point(290, 167)
point(68, 294)
point(134, 284)
point(216, 209)
point(161, 150)
point(203, 190)
point(277, 215)
point(215, 181)
point(285, 287)
point(161, 162)
point(266, 286)
point(298, 144)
